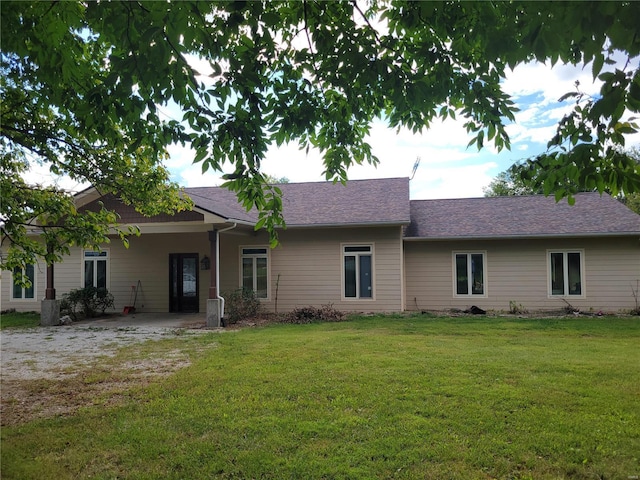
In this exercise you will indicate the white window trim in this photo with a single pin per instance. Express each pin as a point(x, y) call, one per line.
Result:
point(583, 286)
point(485, 273)
point(373, 272)
point(268, 257)
point(107, 258)
point(35, 287)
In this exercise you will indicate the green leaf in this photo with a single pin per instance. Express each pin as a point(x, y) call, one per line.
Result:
point(568, 95)
point(597, 64)
point(261, 223)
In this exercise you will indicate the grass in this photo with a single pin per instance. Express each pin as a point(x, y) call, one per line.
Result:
point(19, 320)
point(375, 397)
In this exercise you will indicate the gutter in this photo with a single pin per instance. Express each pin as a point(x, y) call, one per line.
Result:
point(346, 225)
point(522, 237)
point(219, 297)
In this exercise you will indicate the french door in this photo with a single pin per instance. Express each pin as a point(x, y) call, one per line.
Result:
point(183, 282)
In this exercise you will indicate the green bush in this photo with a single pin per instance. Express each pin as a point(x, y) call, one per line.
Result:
point(326, 313)
point(241, 304)
point(86, 302)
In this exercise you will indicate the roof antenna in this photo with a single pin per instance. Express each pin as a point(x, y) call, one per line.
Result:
point(415, 167)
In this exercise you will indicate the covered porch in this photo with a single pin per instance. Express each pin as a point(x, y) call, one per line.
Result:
point(173, 266)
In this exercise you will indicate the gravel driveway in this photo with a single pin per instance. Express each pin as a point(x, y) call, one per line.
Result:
point(44, 352)
point(50, 353)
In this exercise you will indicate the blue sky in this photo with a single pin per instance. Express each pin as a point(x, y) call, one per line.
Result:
point(448, 169)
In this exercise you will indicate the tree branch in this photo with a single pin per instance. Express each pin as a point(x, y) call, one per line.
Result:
point(375, 32)
point(306, 31)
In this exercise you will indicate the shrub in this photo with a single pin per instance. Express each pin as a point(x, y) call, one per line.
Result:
point(326, 313)
point(241, 304)
point(87, 302)
point(516, 308)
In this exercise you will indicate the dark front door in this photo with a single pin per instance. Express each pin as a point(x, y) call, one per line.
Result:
point(183, 282)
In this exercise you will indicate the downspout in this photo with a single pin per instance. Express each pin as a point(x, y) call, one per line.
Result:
point(218, 269)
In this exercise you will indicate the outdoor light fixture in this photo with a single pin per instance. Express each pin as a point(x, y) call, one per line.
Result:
point(205, 263)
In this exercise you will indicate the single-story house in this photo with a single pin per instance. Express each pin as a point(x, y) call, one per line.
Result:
point(364, 246)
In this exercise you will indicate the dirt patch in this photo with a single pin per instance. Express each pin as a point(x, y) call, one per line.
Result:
point(55, 371)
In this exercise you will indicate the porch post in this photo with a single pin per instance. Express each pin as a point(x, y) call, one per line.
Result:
point(49, 307)
point(213, 286)
point(213, 302)
point(50, 291)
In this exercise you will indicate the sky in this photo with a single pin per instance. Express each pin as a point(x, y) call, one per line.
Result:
point(448, 169)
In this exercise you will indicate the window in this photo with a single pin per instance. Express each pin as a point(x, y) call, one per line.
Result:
point(358, 271)
point(95, 269)
point(254, 270)
point(470, 273)
point(565, 270)
point(19, 292)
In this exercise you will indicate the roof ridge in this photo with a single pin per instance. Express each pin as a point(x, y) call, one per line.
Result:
point(316, 182)
point(530, 195)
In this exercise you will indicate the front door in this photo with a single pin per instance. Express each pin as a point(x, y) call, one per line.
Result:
point(183, 282)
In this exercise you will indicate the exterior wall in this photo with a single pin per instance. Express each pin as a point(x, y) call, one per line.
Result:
point(146, 259)
point(517, 271)
point(30, 305)
point(307, 267)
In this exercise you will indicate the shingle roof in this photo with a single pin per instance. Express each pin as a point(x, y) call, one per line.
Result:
point(359, 202)
point(520, 216)
point(222, 202)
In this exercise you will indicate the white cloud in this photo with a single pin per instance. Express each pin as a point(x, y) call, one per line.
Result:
point(41, 175)
point(520, 133)
point(452, 182)
point(396, 150)
point(550, 83)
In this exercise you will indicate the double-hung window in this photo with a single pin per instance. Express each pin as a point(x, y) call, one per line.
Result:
point(358, 271)
point(470, 273)
point(20, 292)
point(255, 275)
point(566, 273)
point(95, 269)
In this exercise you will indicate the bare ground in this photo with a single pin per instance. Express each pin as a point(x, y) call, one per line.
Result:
point(57, 370)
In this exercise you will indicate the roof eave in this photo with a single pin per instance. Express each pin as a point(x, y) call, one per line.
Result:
point(198, 208)
point(524, 237)
point(349, 225)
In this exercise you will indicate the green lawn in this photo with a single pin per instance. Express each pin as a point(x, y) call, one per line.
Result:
point(19, 320)
point(375, 397)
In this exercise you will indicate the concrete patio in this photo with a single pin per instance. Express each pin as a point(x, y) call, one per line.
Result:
point(154, 320)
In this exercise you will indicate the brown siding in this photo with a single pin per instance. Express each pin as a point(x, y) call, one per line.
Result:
point(517, 271)
point(128, 214)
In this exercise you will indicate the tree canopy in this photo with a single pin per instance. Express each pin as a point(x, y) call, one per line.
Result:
point(510, 183)
point(83, 84)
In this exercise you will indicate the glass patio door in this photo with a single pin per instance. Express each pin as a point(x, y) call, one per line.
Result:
point(183, 282)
